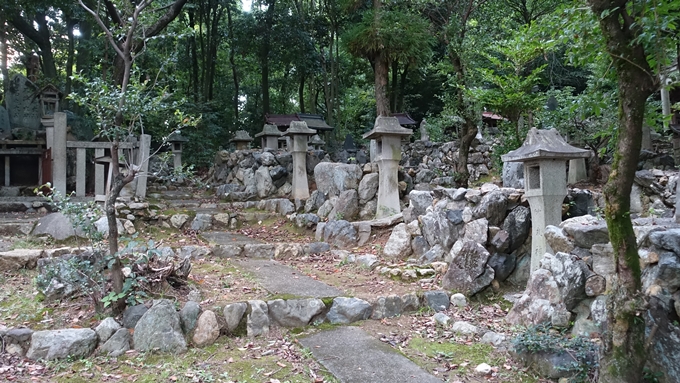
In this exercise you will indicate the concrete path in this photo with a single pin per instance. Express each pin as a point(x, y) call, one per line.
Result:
point(281, 279)
point(353, 356)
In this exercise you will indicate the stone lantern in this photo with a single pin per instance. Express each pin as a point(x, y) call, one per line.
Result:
point(270, 136)
point(387, 134)
point(177, 141)
point(49, 101)
point(241, 139)
point(544, 154)
point(299, 133)
point(317, 142)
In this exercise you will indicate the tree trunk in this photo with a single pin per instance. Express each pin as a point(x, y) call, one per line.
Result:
point(622, 355)
point(41, 38)
point(232, 62)
point(194, 57)
point(264, 56)
point(469, 130)
point(301, 93)
point(70, 24)
point(3, 57)
point(393, 86)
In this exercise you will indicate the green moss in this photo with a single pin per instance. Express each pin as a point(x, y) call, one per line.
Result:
point(328, 302)
point(473, 354)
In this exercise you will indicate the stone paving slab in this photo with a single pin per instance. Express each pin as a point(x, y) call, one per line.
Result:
point(226, 238)
point(353, 356)
point(281, 279)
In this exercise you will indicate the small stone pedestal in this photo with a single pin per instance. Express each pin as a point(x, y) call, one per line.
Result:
point(242, 139)
point(387, 134)
point(544, 154)
point(299, 133)
point(176, 141)
point(577, 170)
point(269, 137)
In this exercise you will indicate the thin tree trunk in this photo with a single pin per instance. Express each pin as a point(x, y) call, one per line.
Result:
point(232, 62)
point(623, 355)
point(301, 93)
point(3, 57)
point(194, 57)
point(469, 130)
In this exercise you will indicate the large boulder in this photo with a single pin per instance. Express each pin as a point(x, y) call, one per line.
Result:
point(117, 344)
point(492, 207)
point(75, 343)
point(207, 329)
point(469, 273)
point(334, 178)
point(420, 201)
point(57, 226)
point(513, 175)
point(263, 182)
point(438, 229)
point(518, 226)
point(294, 312)
point(159, 329)
point(346, 207)
point(368, 187)
point(398, 246)
point(19, 259)
point(586, 231)
point(340, 233)
point(348, 310)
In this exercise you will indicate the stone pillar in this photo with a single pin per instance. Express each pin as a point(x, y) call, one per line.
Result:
point(300, 185)
point(143, 164)
point(59, 153)
point(646, 137)
point(80, 172)
point(546, 189)
point(177, 159)
point(577, 170)
point(389, 150)
point(373, 150)
point(99, 176)
point(272, 142)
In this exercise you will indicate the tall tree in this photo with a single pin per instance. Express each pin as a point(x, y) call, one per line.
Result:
point(33, 24)
point(623, 353)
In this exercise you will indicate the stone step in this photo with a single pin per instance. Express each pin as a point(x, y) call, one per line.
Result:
point(353, 356)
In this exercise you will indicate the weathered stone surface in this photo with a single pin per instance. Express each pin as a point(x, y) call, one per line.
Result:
point(518, 226)
point(159, 328)
point(233, 314)
point(307, 220)
point(346, 207)
point(492, 207)
point(588, 234)
point(17, 340)
point(268, 159)
point(500, 241)
point(207, 329)
point(314, 202)
point(59, 344)
point(340, 233)
point(102, 225)
point(316, 248)
point(664, 350)
point(435, 254)
point(398, 246)
point(258, 318)
point(178, 220)
point(513, 175)
point(334, 178)
point(348, 310)
point(55, 225)
point(368, 261)
point(188, 316)
point(117, 344)
point(503, 265)
point(441, 320)
point(387, 307)
point(19, 259)
point(557, 240)
point(438, 229)
point(294, 312)
point(477, 231)
point(106, 329)
point(667, 240)
point(263, 182)
point(420, 201)
point(201, 222)
point(568, 272)
point(468, 272)
point(368, 187)
point(437, 300)
point(132, 314)
point(493, 338)
point(465, 328)
point(458, 300)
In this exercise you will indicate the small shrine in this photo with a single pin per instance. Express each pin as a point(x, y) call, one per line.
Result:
point(242, 139)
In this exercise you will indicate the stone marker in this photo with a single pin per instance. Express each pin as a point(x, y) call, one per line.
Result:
point(544, 154)
point(388, 134)
point(577, 170)
point(23, 105)
point(299, 133)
